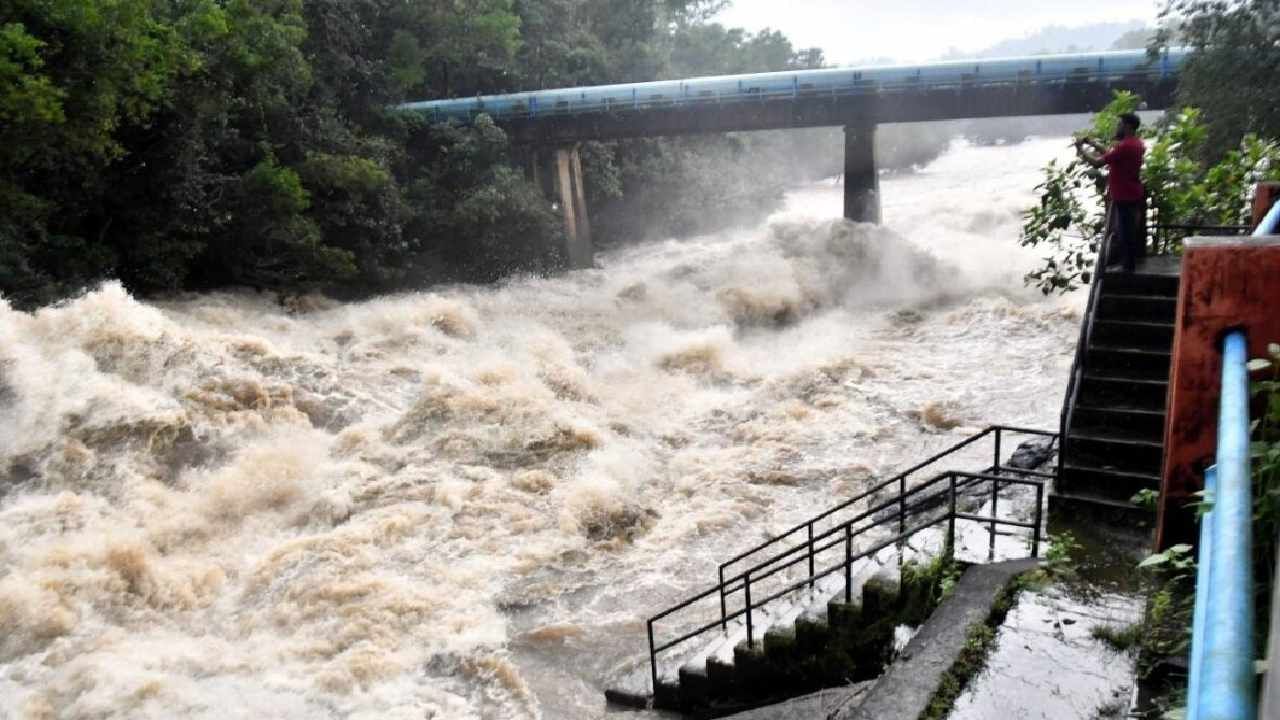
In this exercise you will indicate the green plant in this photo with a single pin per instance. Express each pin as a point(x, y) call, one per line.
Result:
point(1060, 558)
point(1265, 457)
point(1146, 499)
point(1177, 558)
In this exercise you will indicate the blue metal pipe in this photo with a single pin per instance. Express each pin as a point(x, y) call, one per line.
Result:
point(1198, 625)
point(1227, 684)
point(1052, 69)
point(1270, 224)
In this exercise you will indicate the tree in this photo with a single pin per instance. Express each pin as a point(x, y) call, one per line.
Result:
point(1231, 73)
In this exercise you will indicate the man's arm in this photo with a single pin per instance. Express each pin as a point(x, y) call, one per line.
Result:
point(1094, 158)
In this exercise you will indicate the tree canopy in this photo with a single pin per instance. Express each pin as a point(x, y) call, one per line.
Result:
point(199, 143)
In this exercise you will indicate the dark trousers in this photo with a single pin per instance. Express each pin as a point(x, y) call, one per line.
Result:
point(1128, 243)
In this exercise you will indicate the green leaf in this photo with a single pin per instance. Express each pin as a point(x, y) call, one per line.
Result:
point(1257, 364)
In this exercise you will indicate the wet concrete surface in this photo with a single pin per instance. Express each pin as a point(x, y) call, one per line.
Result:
point(1046, 664)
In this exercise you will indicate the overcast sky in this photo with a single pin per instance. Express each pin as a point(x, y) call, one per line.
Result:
point(915, 30)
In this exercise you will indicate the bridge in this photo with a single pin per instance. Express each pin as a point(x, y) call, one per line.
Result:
point(554, 121)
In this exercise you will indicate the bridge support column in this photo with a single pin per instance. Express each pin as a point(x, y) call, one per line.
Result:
point(861, 180)
point(566, 175)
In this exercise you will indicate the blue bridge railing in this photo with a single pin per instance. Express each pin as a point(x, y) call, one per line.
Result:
point(826, 82)
point(1221, 683)
point(1222, 680)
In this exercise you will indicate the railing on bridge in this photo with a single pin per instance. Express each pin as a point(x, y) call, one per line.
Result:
point(1134, 65)
point(890, 506)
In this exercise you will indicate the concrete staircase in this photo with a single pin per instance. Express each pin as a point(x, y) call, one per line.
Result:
point(1113, 444)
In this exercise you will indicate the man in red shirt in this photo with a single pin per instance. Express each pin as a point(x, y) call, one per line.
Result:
point(1124, 188)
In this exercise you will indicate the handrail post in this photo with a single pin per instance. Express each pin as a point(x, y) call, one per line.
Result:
point(723, 610)
point(810, 554)
point(746, 592)
point(951, 517)
point(902, 513)
point(653, 660)
point(848, 563)
point(995, 514)
point(995, 468)
point(1035, 534)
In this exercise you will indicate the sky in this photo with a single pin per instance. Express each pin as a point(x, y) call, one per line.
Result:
point(918, 30)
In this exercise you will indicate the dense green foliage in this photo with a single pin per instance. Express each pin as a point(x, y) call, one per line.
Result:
point(1182, 189)
point(201, 143)
point(1232, 74)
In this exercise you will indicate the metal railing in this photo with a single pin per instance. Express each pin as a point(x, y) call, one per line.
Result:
point(1074, 379)
point(1221, 681)
point(1166, 238)
point(806, 544)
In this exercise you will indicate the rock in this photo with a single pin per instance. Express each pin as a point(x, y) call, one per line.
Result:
point(1031, 454)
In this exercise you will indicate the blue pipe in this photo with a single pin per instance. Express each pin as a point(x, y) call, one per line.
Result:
point(1198, 625)
point(1270, 224)
point(1056, 69)
point(1227, 685)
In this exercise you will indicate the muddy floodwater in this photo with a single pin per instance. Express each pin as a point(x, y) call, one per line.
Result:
point(462, 503)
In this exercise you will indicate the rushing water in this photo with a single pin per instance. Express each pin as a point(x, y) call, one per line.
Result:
point(461, 503)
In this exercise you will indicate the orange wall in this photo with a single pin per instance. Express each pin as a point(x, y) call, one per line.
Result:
point(1226, 284)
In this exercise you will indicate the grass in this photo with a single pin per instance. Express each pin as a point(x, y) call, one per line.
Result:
point(979, 642)
point(1119, 638)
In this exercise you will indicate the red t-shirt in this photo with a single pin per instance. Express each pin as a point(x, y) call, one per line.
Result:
point(1124, 160)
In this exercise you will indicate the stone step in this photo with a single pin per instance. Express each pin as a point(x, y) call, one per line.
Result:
point(1118, 423)
point(1107, 452)
point(1130, 333)
point(1152, 308)
point(1127, 361)
point(1109, 483)
point(1140, 284)
point(1122, 393)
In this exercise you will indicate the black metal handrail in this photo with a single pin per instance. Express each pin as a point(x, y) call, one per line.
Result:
point(908, 502)
point(1082, 345)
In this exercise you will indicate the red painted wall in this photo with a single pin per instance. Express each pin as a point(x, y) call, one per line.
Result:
point(1226, 284)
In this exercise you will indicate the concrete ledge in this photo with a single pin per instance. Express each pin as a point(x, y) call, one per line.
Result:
point(904, 692)
point(816, 706)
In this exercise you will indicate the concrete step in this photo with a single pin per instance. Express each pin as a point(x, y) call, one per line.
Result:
point(1098, 510)
point(1108, 483)
point(1122, 393)
point(730, 671)
point(1118, 423)
point(1124, 361)
point(1149, 308)
point(1164, 285)
point(1131, 333)
point(1108, 452)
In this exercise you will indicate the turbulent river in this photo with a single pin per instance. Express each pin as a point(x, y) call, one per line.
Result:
point(462, 503)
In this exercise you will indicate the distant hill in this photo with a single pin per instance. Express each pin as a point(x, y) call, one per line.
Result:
point(1059, 39)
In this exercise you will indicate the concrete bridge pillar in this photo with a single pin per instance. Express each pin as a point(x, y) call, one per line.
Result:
point(559, 174)
point(861, 180)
